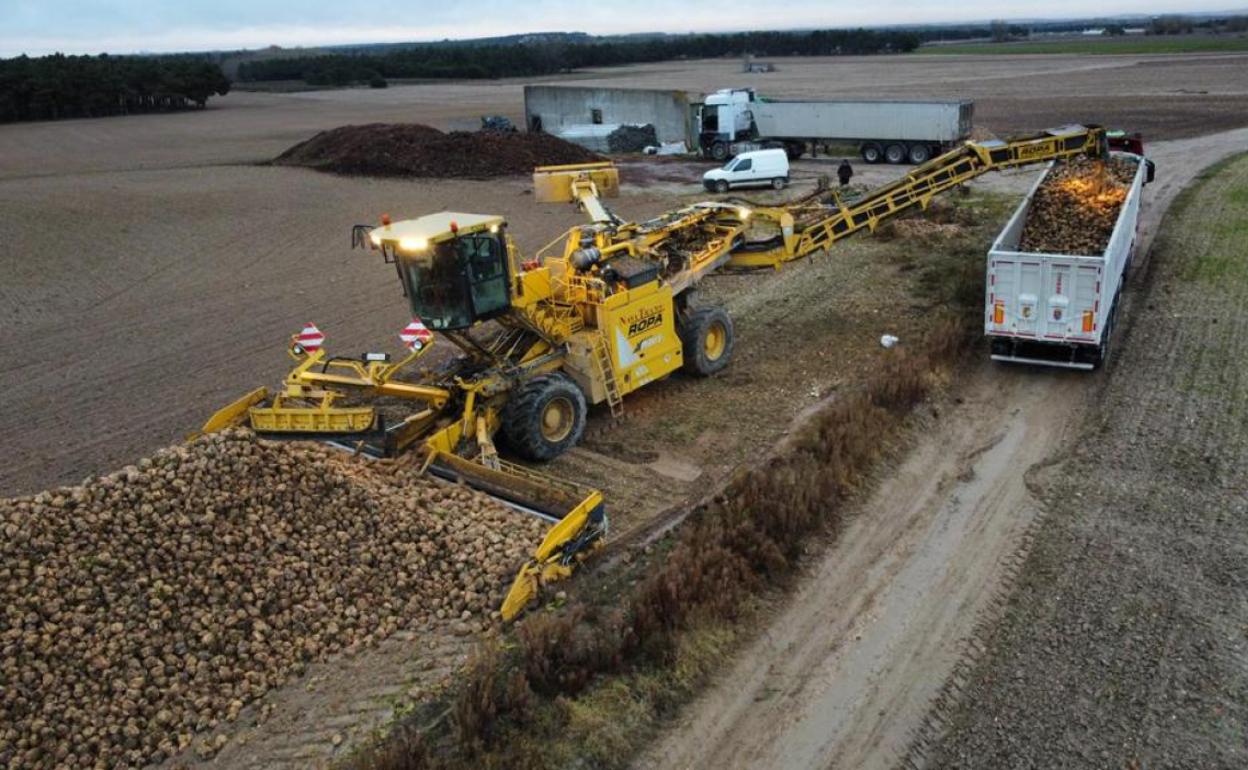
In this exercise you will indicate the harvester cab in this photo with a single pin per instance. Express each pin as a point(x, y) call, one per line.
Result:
point(454, 268)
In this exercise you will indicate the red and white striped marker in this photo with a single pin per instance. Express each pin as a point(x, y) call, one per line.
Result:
point(310, 338)
point(415, 335)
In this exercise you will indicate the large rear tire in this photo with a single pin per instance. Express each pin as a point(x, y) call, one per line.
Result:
point(544, 417)
point(719, 151)
point(707, 336)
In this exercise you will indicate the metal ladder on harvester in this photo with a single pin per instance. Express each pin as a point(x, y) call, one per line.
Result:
point(602, 359)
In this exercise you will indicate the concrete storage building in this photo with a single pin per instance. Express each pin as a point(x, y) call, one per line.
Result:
point(554, 109)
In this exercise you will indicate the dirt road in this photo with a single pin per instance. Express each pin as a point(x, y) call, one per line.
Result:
point(845, 674)
point(1123, 644)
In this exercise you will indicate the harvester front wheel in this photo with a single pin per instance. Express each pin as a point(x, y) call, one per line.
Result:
point(707, 337)
point(544, 418)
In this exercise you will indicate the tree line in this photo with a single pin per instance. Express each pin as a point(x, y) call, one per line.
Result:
point(522, 60)
point(59, 86)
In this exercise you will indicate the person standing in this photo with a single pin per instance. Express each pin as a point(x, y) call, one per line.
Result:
point(844, 172)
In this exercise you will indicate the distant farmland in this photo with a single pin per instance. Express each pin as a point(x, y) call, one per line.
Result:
point(1100, 45)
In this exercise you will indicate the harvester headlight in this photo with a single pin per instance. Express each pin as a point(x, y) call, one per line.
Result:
point(413, 244)
point(744, 213)
point(375, 238)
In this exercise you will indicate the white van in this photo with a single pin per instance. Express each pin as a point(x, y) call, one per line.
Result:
point(760, 168)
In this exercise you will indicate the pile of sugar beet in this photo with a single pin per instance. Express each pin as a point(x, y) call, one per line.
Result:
point(415, 150)
point(142, 607)
point(1075, 208)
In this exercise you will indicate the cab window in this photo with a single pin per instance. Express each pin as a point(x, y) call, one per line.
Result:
point(487, 272)
point(744, 165)
point(435, 290)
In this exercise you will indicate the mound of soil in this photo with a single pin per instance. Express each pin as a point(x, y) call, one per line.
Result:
point(632, 138)
point(411, 149)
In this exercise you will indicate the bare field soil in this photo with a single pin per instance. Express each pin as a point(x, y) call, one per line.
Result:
point(162, 295)
point(1124, 642)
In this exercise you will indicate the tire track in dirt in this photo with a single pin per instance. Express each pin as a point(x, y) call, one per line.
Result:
point(845, 674)
point(868, 629)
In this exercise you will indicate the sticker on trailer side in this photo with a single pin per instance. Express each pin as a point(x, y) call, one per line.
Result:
point(1043, 149)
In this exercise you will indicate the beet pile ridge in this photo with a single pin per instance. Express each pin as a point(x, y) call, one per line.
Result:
point(144, 606)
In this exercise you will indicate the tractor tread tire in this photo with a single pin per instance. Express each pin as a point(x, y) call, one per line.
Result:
point(692, 335)
point(521, 419)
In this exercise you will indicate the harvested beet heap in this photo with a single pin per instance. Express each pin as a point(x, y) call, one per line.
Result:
point(142, 607)
point(410, 149)
point(1074, 210)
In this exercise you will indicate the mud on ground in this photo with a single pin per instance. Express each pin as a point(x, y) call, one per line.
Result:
point(1124, 642)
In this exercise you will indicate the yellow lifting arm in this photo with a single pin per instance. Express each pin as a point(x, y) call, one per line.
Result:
point(582, 183)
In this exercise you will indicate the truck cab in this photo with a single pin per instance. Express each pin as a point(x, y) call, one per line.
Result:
point(760, 168)
point(724, 118)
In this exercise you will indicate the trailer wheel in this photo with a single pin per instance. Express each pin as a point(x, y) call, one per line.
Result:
point(794, 150)
point(895, 153)
point(1104, 350)
point(544, 417)
point(707, 337)
point(920, 154)
point(779, 183)
point(719, 151)
point(872, 152)
point(721, 186)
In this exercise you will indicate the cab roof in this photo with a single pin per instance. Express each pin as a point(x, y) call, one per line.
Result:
point(437, 227)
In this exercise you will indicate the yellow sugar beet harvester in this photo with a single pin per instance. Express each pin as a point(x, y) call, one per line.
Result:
point(541, 340)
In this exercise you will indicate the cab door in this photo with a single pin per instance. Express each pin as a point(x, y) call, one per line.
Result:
point(486, 263)
point(743, 171)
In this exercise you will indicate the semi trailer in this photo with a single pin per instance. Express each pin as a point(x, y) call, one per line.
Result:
point(1061, 309)
point(732, 121)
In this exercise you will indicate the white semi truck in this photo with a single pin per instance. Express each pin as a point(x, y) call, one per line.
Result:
point(732, 121)
point(1060, 309)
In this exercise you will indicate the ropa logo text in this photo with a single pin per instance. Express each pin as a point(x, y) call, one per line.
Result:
point(644, 320)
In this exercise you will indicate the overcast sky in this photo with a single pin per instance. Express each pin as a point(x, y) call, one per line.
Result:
point(126, 26)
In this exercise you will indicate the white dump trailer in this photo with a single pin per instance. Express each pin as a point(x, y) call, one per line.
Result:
point(1060, 309)
point(732, 121)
